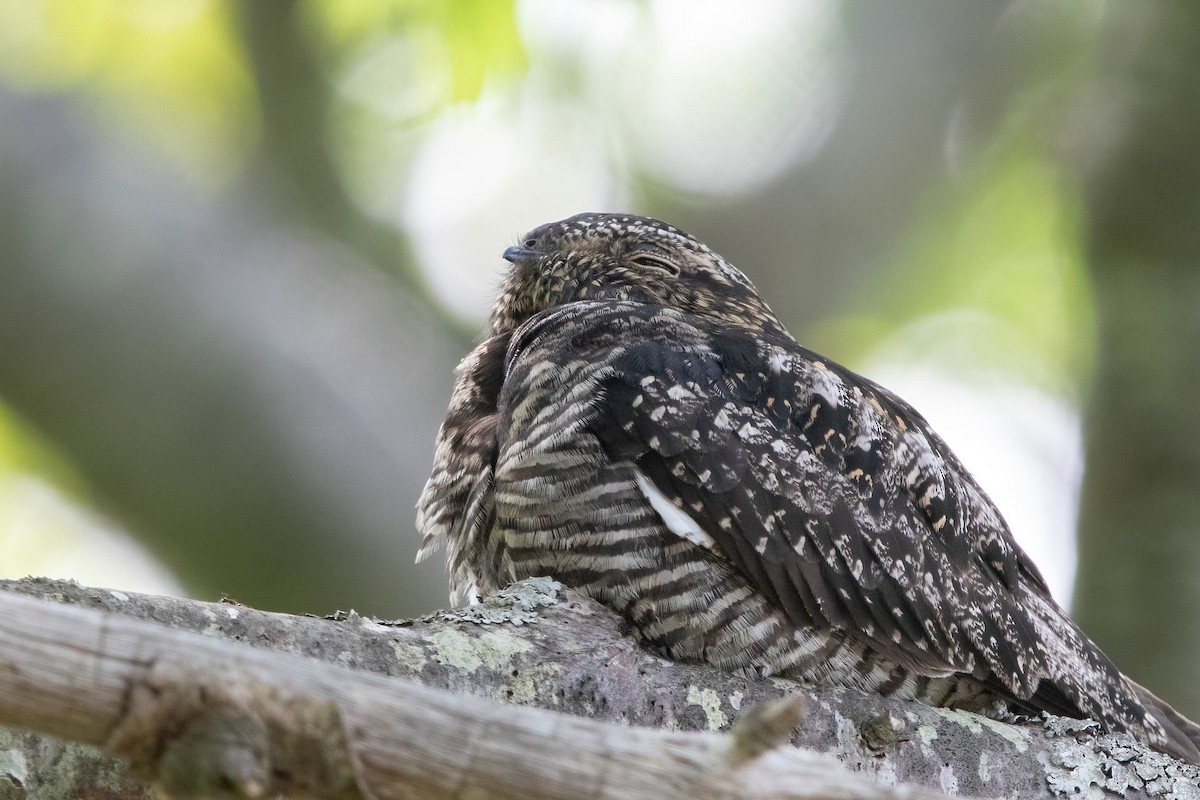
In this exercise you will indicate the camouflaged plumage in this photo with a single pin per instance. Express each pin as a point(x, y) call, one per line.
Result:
point(640, 426)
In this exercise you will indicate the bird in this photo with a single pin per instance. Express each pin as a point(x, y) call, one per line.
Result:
point(640, 426)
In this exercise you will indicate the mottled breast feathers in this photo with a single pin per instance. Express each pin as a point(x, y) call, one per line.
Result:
point(655, 438)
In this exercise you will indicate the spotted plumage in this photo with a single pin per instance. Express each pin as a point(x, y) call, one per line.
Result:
point(640, 426)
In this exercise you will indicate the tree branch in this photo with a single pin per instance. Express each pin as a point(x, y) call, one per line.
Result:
point(199, 712)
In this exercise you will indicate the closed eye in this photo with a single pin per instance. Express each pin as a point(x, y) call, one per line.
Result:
point(654, 262)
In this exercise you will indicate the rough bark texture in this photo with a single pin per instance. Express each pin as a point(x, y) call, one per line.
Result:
point(1137, 593)
point(205, 718)
point(539, 645)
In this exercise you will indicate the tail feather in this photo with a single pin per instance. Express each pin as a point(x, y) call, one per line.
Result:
point(1182, 735)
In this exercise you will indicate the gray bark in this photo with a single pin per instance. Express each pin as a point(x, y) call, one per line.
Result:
point(543, 646)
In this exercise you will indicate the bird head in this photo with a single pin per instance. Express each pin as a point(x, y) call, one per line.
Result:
point(624, 257)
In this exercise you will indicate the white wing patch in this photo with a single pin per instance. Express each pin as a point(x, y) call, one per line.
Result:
point(675, 518)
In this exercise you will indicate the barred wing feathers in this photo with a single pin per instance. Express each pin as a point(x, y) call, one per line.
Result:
point(837, 502)
point(790, 486)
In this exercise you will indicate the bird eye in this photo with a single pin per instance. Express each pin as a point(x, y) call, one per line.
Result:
point(530, 243)
point(655, 262)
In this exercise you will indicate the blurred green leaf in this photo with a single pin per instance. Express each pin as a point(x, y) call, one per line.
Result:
point(479, 37)
point(483, 41)
point(343, 26)
point(1004, 246)
point(171, 71)
point(23, 450)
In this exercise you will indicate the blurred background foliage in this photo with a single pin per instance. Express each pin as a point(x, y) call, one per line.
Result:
point(243, 244)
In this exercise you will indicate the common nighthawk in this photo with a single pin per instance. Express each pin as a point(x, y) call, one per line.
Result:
point(640, 426)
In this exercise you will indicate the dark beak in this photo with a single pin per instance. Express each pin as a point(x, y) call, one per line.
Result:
point(520, 255)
